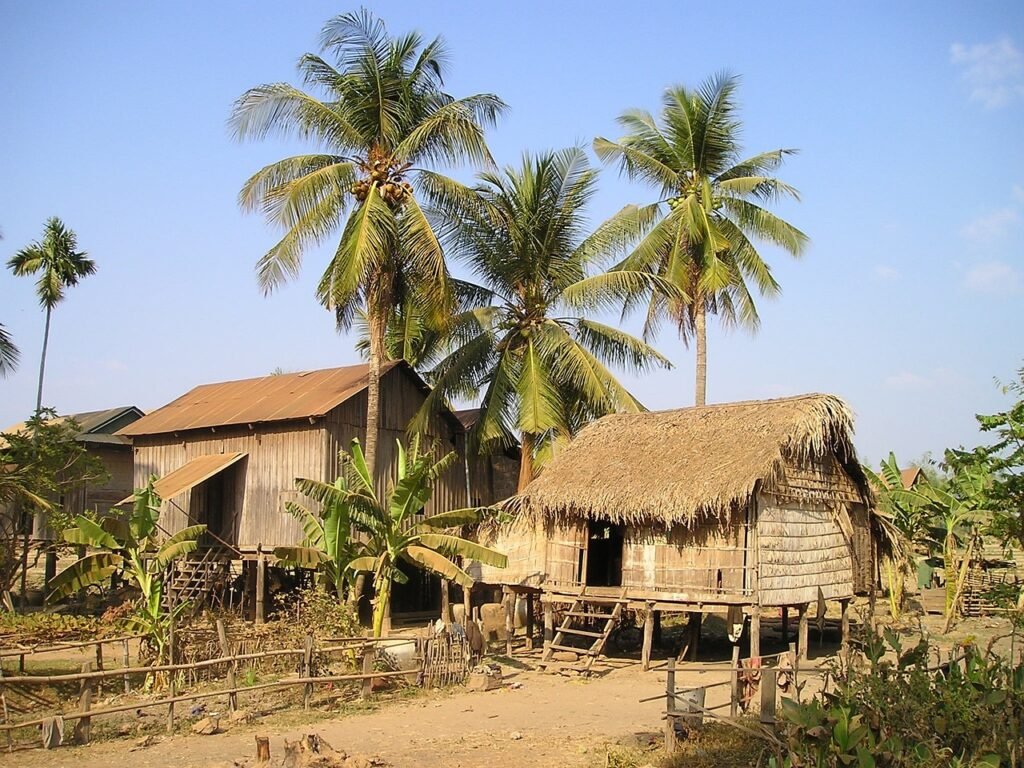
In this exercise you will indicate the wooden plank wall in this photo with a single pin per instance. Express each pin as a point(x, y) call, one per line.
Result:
point(709, 557)
point(565, 542)
point(802, 547)
point(276, 455)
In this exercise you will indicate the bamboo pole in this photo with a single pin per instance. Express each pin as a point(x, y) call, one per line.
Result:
point(225, 650)
point(209, 695)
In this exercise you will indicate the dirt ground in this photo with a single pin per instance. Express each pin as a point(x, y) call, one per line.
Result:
point(536, 719)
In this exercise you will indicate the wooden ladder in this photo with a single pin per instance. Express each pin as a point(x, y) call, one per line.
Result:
point(585, 607)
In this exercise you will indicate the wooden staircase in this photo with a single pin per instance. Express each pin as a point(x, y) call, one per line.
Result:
point(586, 611)
point(193, 579)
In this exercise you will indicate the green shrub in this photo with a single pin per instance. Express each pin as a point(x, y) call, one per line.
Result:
point(899, 712)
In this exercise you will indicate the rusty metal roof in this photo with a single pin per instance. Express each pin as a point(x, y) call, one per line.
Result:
point(281, 397)
point(190, 474)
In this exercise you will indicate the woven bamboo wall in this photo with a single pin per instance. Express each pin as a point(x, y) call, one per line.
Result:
point(708, 558)
point(864, 550)
point(802, 548)
point(525, 545)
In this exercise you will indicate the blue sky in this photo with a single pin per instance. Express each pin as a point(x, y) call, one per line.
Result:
point(907, 116)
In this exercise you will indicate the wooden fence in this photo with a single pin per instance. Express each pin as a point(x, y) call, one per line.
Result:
point(363, 649)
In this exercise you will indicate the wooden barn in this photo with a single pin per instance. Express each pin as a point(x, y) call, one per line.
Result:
point(227, 455)
point(724, 508)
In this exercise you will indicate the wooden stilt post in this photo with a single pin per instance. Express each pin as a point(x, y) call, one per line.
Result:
point(446, 604)
point(785, 624)
point(656, 640)
point(467, 606)
point(696, 619)
point(645, 654)
point(670, 707)
point(755, 631)
point(844, 606)
point(734, 679)
point(796, 670)
point(802, 633)
point(549, 623)
point(261, 584)
point(510, 624)
point(529, 621)
point(172, 676)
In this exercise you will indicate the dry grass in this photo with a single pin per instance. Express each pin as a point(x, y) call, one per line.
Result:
point(682, 466)
point(715, 745)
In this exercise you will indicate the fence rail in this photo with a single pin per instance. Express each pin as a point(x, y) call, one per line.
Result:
point(89, 678)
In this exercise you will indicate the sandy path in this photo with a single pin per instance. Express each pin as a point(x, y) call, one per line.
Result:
point(560, 722)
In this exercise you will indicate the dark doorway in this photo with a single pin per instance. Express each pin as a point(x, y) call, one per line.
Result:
point(214, 503)
point(604, 554)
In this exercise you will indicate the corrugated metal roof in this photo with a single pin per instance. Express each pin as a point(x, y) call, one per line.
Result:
point(95, 426)
point(282, 397)
point(190, 475)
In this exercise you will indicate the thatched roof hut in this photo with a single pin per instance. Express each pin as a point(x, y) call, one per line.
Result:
point(751, 503)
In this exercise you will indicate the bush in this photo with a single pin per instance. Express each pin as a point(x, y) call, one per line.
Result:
point(898, 712)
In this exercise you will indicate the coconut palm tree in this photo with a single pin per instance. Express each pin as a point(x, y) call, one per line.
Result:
point(382, 118)
point(541, 365)
point(701, 234)
point(9, 354)
point(60, 265)
point(393, 527)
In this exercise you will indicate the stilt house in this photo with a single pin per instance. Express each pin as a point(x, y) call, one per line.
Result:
point(227, 455)
point(729, 508)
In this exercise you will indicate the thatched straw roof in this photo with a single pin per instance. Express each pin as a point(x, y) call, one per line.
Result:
point(681, 466)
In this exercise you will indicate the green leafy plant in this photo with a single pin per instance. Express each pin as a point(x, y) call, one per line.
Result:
point(393, 528)
point(133, 548)
point(897, 712)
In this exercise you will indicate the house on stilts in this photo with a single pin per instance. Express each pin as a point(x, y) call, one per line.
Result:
point(729, 508)
point(227, 455)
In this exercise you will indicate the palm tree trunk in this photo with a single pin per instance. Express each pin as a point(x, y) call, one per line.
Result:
point(525, 462)
point(701, 333)
point(42, 363)
point(378, 331)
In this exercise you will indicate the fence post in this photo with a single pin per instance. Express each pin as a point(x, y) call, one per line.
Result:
point(225, 651)
point(7, 719)
point(172, 675)
point(670, 707)
point(769, 688)
point(796, 671)
point(307, 671)
point(99, 667)
point(734, 689)
point(84, 725)
point(125, 662)
point(367, 670)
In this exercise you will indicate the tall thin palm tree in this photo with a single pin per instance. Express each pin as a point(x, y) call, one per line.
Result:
point(60, 265)
point(382, 119)
point(700, 235)
point(540, 364)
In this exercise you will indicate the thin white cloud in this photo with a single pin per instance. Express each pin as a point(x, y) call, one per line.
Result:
point(885, 273)
point(1018, 193)
point(993, 72)
point(993, 277)
point(991, 226)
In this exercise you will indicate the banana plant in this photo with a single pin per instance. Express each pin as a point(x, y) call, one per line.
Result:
point(132, 548)
point(903, 516)
point(328, 546)
point(392, 529)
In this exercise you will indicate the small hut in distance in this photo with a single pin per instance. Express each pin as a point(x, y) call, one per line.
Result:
point(733, 508)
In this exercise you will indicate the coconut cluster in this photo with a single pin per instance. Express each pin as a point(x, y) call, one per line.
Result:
point(386, 176)
point(675, 202)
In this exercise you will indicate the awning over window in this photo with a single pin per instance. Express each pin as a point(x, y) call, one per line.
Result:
point(191, 474)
